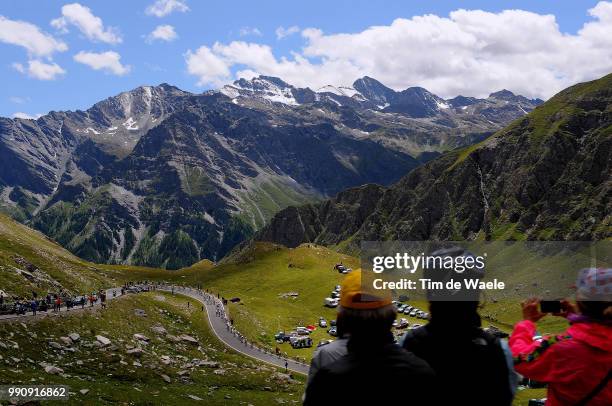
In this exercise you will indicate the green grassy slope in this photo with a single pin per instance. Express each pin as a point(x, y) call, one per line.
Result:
point(259, 276)
point(110, 374)
point(23, 249)
point(29, 261)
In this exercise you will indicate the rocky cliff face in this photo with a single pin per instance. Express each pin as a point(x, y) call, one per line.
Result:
point(162, 177)
point(547, 176)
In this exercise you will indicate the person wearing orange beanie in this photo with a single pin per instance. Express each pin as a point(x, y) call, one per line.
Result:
point(374, 367)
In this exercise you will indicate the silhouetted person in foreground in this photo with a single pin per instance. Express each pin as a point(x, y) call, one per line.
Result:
point(472, 366)
point(375, 371)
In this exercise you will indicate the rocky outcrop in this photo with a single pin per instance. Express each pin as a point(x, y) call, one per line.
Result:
point(326, 223)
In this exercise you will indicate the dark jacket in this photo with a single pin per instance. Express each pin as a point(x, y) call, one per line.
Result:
point(380, 375)
point(470, 365)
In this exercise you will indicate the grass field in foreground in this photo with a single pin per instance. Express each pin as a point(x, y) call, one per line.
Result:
point(110, 375)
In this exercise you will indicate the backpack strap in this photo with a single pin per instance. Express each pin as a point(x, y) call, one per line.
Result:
point(595, 391)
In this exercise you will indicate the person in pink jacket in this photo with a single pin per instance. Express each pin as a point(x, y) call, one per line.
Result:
point(577, 364)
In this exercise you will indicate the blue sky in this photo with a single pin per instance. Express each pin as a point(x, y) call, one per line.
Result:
point(469, 52)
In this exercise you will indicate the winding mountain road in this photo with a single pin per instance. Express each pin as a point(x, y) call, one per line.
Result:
point(224, 333)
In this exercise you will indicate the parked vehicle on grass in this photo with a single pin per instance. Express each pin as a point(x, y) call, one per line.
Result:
point(403, 323)
point(300, 342)
point(282, 337)
point(331, 302)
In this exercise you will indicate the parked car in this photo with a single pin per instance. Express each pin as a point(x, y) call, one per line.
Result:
point(303, 331)
point(333, 331)
point(403, 323)
point(332, 323)
point(322, 322)
point(413, 313)
point(335, 295)
point(331, 302)
point(282, 337)
point(300, 342)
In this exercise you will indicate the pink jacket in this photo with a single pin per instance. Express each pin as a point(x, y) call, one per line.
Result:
point(572, 364)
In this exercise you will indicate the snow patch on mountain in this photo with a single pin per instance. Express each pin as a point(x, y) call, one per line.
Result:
point(209, 218)
point(345, 91)
point(266, 88)
point(92, 130)
point(442, 105)
point(130, 124)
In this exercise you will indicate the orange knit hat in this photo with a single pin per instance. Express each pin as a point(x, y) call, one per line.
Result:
point(354, 296)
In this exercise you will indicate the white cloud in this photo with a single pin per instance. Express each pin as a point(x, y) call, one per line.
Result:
point(282, 32)
point(40, 70)
point(44, 71)
point(207, 66)
point(162, 8)
point(470, 52)
point(90, 25)
point(26, 116)
point(108, 61)
point(245, 31)
point(162, 33)
point(30, 37)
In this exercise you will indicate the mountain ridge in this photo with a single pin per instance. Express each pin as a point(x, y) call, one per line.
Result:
point(157, 173)
point(546, 176)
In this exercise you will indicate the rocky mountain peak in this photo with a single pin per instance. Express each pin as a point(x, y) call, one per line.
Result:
point(503, 94)
point(263, 87)
point(373, 90)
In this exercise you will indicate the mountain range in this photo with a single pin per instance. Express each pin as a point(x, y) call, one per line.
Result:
point(546, 176)
point(162, 177)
